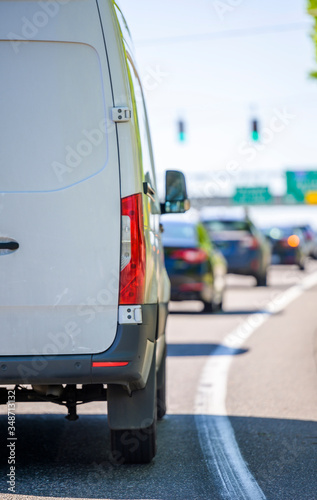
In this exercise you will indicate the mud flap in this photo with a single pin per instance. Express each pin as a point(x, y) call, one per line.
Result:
point(135, 411)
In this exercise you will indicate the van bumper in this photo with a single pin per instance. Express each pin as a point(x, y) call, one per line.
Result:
point(133, 344)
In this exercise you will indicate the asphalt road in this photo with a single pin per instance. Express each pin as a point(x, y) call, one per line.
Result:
point(242, 410)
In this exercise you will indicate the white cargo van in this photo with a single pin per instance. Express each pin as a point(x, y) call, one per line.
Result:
point(83, 290)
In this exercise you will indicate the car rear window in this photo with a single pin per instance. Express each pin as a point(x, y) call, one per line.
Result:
point(278, 233)
point(52, 115)
point(179, 231)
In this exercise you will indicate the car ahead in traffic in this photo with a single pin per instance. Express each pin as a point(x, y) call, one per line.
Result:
point(195, 267)
point(84, 291)
point(244, 247)
point(288, 246)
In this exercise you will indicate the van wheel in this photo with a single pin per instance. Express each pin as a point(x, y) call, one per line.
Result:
point(137, 446)
point(161, 388)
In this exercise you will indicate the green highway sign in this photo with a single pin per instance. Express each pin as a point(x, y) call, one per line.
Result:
point(301, 185)
point(252, 195)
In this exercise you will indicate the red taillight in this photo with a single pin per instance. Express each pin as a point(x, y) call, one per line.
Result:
point(250, 242)
point(191, 256)
point(191, 287)
point(108, 364)
point(132, 277)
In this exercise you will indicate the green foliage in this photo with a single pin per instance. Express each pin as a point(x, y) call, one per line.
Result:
point(312, 5)
point(312, 10)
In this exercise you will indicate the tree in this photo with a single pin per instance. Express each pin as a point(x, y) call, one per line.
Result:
point(312, 10)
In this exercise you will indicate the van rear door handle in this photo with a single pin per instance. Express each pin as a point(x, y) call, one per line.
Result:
point(9, 245)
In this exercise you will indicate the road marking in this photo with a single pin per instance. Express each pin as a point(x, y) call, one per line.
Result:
point(216, 436)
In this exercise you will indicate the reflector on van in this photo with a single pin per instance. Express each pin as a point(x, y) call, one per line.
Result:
point(108, 364)
point(132, 278)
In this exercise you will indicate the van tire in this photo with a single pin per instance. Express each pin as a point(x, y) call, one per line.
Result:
point(161, 388)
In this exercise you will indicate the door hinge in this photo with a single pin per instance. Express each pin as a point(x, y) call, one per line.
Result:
point(121, 114)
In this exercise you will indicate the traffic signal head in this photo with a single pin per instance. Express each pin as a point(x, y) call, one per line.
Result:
point(255, 130)
point(181, 131)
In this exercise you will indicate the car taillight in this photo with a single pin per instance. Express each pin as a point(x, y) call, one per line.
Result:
point(191, 287)
point(293, 241)
point(132, 276)
point(191, 256)
point(250, 242)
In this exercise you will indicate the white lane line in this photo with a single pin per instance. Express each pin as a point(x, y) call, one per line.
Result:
point(216, 436)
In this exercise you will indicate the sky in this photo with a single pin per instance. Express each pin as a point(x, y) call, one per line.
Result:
point(217, 64)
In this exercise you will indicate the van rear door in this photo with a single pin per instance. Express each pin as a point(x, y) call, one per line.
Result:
point(59, 182)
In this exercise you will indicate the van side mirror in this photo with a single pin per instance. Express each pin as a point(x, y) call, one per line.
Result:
point(176, 200)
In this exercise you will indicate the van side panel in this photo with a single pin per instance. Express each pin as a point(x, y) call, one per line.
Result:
point(59, 181)
point(137, 165)
point(134, 143)
point(132, 176)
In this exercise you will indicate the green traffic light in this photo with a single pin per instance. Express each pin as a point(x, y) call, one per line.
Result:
point(181, 131)
point(255, 130)
point(255, 135)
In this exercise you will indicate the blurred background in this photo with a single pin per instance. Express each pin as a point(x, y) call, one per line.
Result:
point(231, 101)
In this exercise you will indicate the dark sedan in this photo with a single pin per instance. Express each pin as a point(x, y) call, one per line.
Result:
point(288, 246)
point(244, 247)
point(195, 268)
